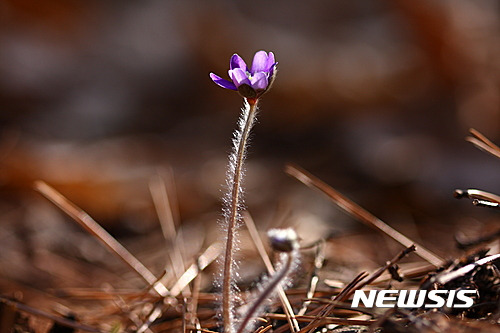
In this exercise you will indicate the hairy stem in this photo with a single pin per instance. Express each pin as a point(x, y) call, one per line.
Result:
point(232, 211)
point(267, 292)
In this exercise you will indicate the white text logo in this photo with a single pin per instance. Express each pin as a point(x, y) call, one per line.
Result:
point(413, 298)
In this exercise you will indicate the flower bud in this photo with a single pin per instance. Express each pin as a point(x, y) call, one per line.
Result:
point(283, 240)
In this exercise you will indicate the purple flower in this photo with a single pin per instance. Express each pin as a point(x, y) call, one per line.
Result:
point(250, 83)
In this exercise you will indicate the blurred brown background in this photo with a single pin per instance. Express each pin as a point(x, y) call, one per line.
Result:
point(375, 97)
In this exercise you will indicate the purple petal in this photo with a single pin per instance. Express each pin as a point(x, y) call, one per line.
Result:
point(270, 61)
point(237, 62)
point(259, 63)
point(272, 69)
point(271, 64)
point(239, 77)
point(222, 82)
point(259, 81)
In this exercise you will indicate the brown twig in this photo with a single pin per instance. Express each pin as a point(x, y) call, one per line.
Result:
point(484, 203)
point(483, 143)
point(165, 214)
point(325, 320)
point(313, 282)
point(382, 269)
point(358, 283)
point(63, 321)
point(479, 198)
point(361, 214)
point(92, 227)
point(446, 276)
point(210, 254)
point(193, 308)
point(324, 311)
point(475, 194)
point(264, 329)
